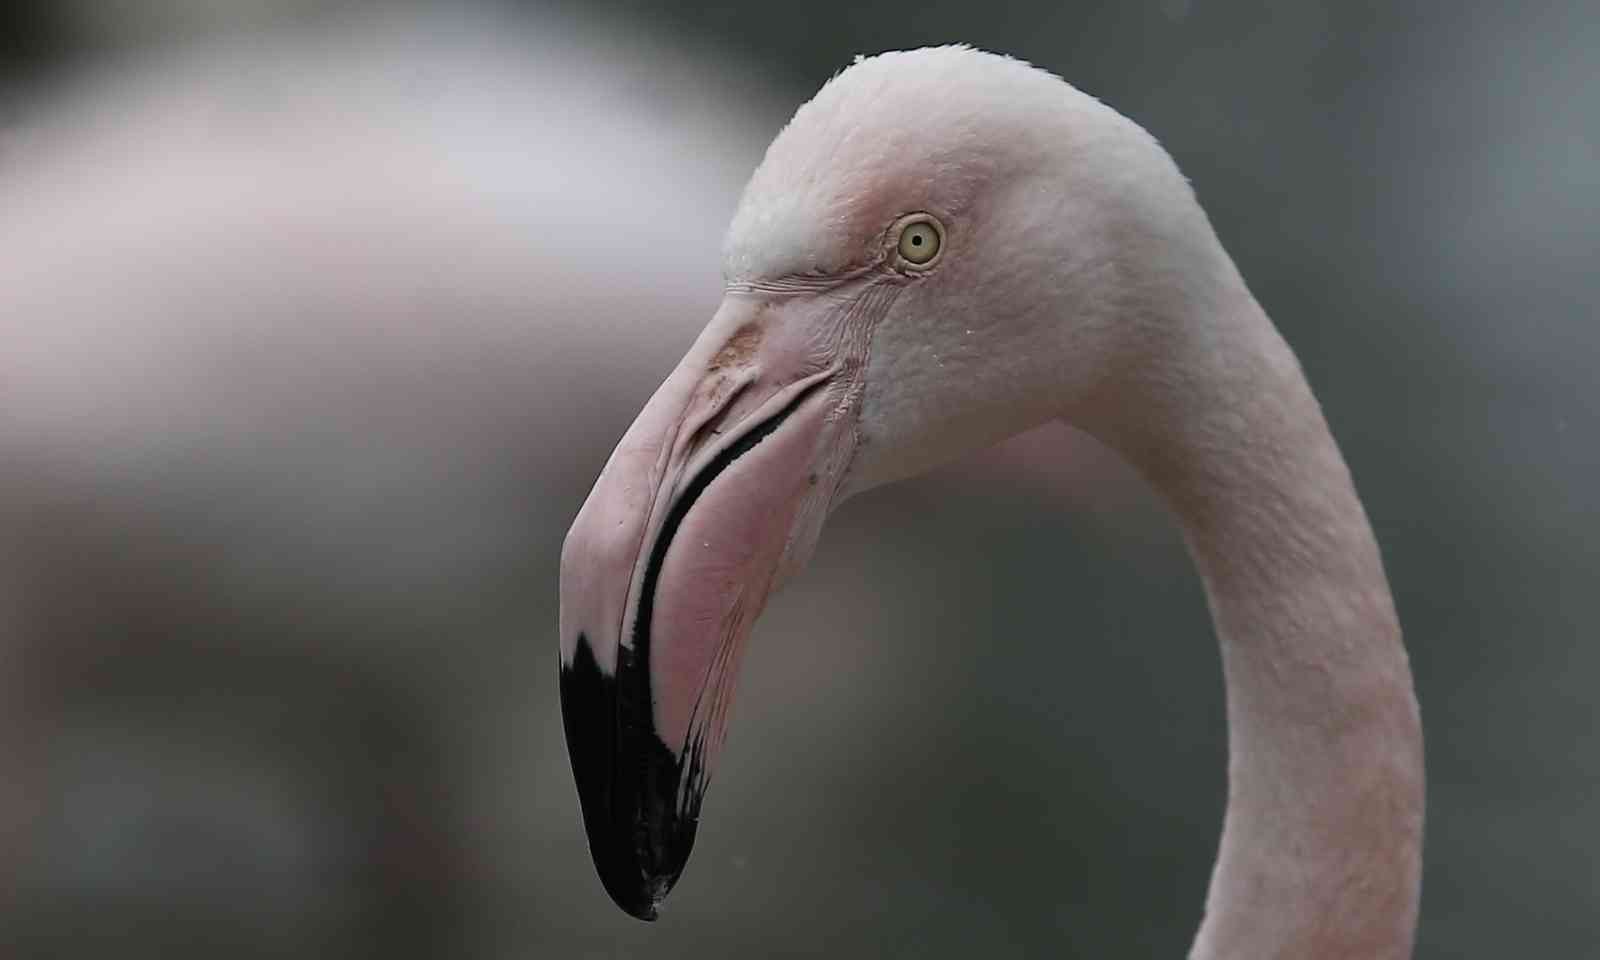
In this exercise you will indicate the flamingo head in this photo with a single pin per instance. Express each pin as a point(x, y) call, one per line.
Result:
point(942, 248)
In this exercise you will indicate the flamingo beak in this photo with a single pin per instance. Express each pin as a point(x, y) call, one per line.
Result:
point(717, 489)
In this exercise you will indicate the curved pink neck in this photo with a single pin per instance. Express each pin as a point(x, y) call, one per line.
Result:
point(1321, 846)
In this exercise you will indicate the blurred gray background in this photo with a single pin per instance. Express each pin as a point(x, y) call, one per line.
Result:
point(317, 320)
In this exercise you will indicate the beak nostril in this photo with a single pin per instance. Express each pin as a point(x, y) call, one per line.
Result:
point(713, 424)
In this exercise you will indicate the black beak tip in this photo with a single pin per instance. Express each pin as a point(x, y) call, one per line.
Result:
point(634, 899)
point(628, 784)
point(629, 878)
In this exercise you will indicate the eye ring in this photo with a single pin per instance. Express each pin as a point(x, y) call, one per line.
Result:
point(917, 242)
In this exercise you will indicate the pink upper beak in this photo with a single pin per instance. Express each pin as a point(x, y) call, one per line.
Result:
point(722, 480)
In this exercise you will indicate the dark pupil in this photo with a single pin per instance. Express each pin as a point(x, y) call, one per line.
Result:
point(916, 240)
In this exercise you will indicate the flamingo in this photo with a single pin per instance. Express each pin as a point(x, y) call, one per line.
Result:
point(943, 248)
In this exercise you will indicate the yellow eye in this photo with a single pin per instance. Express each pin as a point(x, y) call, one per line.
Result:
point(920, 240)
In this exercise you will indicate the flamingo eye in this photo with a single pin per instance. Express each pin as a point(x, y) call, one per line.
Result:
point(921, 237)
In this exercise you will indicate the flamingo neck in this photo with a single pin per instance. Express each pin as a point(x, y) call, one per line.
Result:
point(1321, 846)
